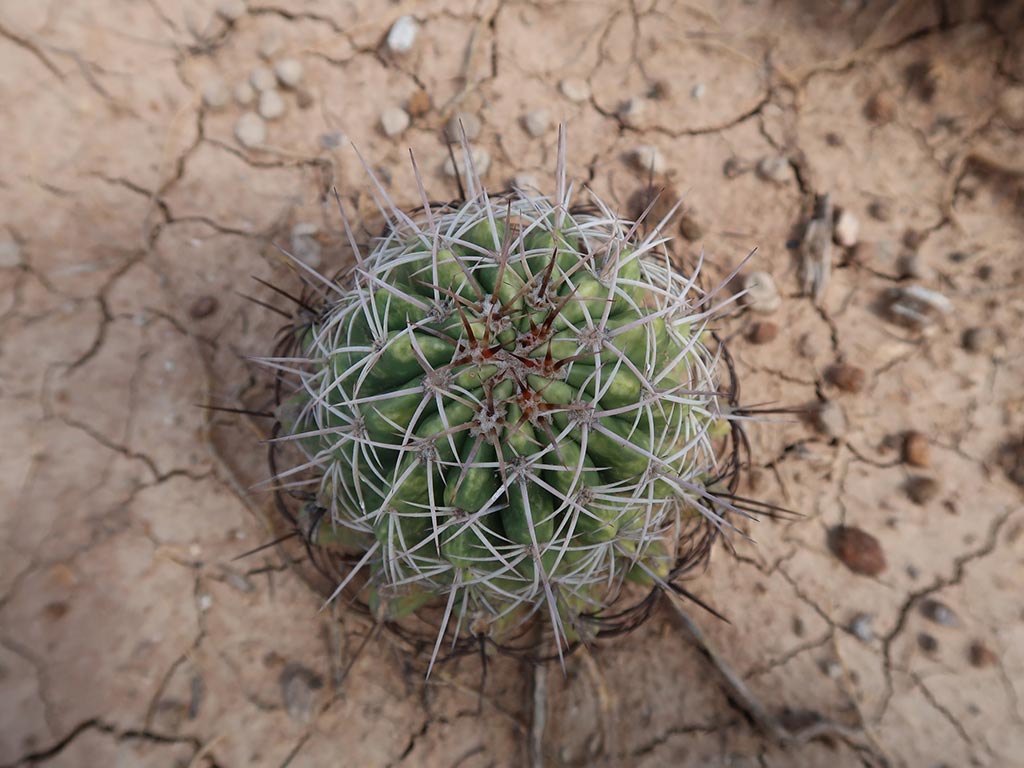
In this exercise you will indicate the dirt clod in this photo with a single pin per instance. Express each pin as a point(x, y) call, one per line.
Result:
point(847, 377)
point(916, 450)
point(203, 307)
point(921, 489)
point(763, 332)
point(858, 550)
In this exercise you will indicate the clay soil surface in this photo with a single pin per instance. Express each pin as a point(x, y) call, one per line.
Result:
point(131, 217)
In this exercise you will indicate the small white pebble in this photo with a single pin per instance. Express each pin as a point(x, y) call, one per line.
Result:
point(402, 35)
point(194, 550)
point(394, 121)
point(698, 91)
point(331, 139)
point(231, 10)
point(575, 89)
point(169, 366)
point(481, 160)
point(289, 72)
point(761, 294)
point(832, 668)
point(205, 602)
point(250, 130)
point(270, 44)
point(861, 627)
point(846, 230)
point(526, 181)
point(262, 79)
point(647, 158)
point(774, 168)
point(830, 419)
point(271, 105)
point(216, 93)
point(470, 123)
point(10, 254)
point(536, 122)
point(245, 94)
point(632, 111)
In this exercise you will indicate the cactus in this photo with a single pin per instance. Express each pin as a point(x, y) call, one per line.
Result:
point(508, 413)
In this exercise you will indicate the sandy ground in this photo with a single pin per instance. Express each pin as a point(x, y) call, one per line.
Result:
point(132, 216)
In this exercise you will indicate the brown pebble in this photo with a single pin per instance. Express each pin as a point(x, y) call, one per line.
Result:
point(916, 451)
point(1011, 460)
point(980, 339)
point(419, 103)
point(927, 643)
point(881, 210)
point(914, 238)
point(57, 610)
point(980, 655)
point(880, 108)
point(763, 332)
point(732, 168)
point(690, 228)
point(921, 489)
point(833, 139)
point(849, 378)
point(202, 307)
point(303, 98)
point(984, 272)
point(857, 549)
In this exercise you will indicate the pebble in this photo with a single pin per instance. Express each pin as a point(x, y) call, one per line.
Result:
point(857, 549)
point(914, 238)
point(1011, 460)
point(250, 130)
point(262, 79)
point(921, 489)
point(402, 35)
point(880, 108)
point(916, 307)
point(536, 122)
point(763, 332)
point(271, 105)
point(463, 121)
point(927, 643)
point(245, 94)
point(881, 210)
point(980, 655)
point(305, 246)
point(575, 89)
point(940, 613)
point(647, 158)
point(481, 159)
point(916, 451)
point(981, 339)
point(911, 266)
point(846, 229)
point(761, 294)
point(774, 168)
point(270, 44)
point(10, 254)
point(808, 346)
point(861, 627)
point(231, 10)
point(288, 72)
point(830, 419)
point(299, 685)
point(216, 94)
point(331, 139)
point(732, 168)
point(204, 306)
point(690, 228)
point(633, 111)
point(832, 669)
point(394, 121)
point(661, 90)
point(526, 181)
point(698, 91)
point(419, 103)
point(303, 98)
point(848, 378)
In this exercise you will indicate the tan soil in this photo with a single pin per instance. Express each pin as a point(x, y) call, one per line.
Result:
point(129, 636)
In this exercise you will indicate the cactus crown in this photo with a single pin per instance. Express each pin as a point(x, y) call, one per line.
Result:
point(508, 411)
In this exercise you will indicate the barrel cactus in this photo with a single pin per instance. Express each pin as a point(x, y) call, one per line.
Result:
point(509, 417)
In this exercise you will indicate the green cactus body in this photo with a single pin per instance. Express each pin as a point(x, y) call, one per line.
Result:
point(507, 419)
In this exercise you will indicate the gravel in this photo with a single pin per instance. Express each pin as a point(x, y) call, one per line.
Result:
point(262, 79)
point(575, 89)
point(761, 293)
point(857, 549)
point(916, 451)
point(394, 121)
point(250, 130)
point(271, 105)
point(216, 94)
point(288, 72)
point(270, 44)
point(861, 627)
point(846, 230)
point(402, 35)
point(244, 94)
point(536, 122)
point(774, 168)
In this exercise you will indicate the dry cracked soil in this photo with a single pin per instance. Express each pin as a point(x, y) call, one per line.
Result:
point(133, 217)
